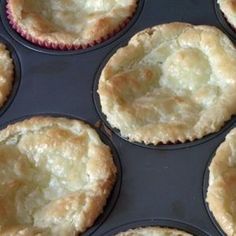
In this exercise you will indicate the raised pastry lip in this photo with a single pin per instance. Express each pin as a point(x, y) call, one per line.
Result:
point(155, 230)
point(222, 179)
point(64, 40)
point(172, 133)
point(101, 184)
point(228, 8)
point(6, 74)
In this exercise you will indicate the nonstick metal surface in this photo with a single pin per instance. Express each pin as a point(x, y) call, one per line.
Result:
point(163, 185)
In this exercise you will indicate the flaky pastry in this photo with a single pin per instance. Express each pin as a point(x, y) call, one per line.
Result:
point(69, 22)
point(228, 7)
point(153, 231)
point(221, 193)
point(173, 82)
point(56, 175)
point(6, 74)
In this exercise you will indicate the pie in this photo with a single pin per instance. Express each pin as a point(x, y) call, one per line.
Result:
point(6, 74)
point(221, 193)
point(172, 83)
point(70, 23)
point(153, 231)
point(56, 175)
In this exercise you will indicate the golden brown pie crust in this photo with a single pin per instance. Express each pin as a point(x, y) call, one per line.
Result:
point(67, 23)
point(56, 175)
point(172, 82)
point(6, 74)
point(221, 193)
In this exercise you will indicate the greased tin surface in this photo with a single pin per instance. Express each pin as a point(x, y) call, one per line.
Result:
point(157, 185)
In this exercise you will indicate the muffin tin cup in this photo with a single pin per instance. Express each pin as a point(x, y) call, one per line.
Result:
point(163, 183)
point(16, 74)
point(165, 223)
point(48, 47)
point(113, 197)
point(169, 146)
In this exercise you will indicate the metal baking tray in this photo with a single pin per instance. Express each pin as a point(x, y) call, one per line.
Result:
point(157, 185)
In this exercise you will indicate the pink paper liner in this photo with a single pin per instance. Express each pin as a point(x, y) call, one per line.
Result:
point(61, 46)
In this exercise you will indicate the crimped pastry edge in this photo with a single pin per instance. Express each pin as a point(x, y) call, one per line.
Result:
point(56, 42)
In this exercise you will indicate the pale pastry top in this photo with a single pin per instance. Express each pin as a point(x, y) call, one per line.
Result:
point(228, 7)
point(56, 175)
point(70, 22)
point(6, 74)
point(173, 82)
point(221, 193)
point(153, 231)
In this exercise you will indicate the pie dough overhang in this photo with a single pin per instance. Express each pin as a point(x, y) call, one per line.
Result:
point(6, 74)
point(154, 231)
point(58, 174)
point(172, 82)
point(228, 7)
point(67, 22)
point(221, 194)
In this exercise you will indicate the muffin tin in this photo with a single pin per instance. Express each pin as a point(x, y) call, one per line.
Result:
point(157, 185)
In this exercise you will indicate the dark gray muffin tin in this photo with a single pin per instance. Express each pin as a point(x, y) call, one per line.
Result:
point(157, 185)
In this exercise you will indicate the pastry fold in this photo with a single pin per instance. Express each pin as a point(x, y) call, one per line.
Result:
point(173, 83)
point(56, 175)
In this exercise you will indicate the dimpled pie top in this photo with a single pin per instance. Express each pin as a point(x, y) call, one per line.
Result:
point(56, 175)
point(173, 82)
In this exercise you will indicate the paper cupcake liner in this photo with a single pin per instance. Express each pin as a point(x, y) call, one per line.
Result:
point(60, 46)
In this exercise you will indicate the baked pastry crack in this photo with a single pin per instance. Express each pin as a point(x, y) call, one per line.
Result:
point(56, 175)
point(172, 83)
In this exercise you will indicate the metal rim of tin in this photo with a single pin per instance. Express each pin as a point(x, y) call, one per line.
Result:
point(223, 21)
point(114, 195)
point(37, 48)
point(204, 194)
point(17, 74)
point(168, 146)
point(165, 223)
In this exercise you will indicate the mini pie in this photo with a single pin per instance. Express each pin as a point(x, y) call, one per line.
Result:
point(221, 194)
point(228, 7)
point(153, 231)
point(56, 175)
point(6, 74)
point(173, 82)
point(69, 23)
